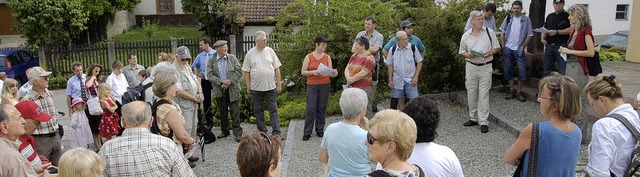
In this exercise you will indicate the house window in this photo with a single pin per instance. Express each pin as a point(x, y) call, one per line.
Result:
point(622, 11)
point(165, 6)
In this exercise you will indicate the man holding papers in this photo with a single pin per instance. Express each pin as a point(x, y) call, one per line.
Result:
point(557, 34)
point(477, 47)
point(318, 70)
point(403, 68)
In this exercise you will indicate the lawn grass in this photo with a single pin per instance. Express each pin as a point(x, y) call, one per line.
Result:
point(164, 33)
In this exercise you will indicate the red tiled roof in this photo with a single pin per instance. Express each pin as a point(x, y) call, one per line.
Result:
point(258, 10)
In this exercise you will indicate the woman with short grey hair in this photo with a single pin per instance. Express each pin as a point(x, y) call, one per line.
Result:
point(342, 140)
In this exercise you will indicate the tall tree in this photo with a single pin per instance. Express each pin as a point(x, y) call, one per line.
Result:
point(216, 17)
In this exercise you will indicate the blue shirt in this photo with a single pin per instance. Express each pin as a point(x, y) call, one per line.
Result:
point(489, 23)
point(222, 66)
point(201, 61)
point(557, 151)
point(74, 86)
point(524, 31)
point(348, 156)
point(413, 40)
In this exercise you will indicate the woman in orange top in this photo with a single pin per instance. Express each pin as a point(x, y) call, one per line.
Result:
point(318, 86)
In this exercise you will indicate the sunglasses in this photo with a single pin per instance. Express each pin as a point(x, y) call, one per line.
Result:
point(270, 141)
point(370, 139)
point(542, 97)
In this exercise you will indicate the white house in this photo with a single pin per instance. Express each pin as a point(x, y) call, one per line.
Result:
point(159, 7)
point(607, 16)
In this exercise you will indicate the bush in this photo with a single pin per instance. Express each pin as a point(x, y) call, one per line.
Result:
point(58, 82)
point(610, 56)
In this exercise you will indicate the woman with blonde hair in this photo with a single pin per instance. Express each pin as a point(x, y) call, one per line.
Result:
point(579, 47)
point(110, 123)
point(612, 143)
point(391, 138)
point(10, 91)
point(558, 140)
point(80, 162)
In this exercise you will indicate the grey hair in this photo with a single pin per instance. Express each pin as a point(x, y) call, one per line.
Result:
point(352, 102)
point(474, 14)
point(4, 117)
point(136, 113)
point(259, 35)
point(163, 68)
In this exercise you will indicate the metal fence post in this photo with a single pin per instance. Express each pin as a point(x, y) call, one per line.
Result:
point(174, 45)
point(232, 44)
point(111, 53)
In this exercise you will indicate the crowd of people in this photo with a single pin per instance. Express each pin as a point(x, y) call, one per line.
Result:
point(152, 136)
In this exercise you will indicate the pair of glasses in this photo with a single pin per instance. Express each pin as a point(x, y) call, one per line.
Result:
point(270, 152)
point(370, 138)
point(542, 97)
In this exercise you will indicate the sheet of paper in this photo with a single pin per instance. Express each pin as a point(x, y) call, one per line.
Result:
point(564, 56)
point(541, 30)
point(477, 53)
point(326, 70)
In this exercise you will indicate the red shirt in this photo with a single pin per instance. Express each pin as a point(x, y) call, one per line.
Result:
point(28, 150)
point(356, 63)
point(313, 65)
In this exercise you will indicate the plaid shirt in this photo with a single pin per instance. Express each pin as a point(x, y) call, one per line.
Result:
point(138, 152)
point(47, 105)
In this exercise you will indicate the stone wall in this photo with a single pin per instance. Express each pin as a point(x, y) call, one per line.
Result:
point(121, 21)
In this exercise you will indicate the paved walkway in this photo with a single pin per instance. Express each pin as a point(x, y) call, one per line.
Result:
point(479, 154)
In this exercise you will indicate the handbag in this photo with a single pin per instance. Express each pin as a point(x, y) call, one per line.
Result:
point(94, 105)
point(533, 155)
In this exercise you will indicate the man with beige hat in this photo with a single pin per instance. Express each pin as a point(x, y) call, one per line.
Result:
point(47, 139)
point(224, 73)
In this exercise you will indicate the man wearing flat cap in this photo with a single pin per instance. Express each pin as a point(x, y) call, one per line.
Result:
point(46, 137)
point(224, 73)
point(558, 25)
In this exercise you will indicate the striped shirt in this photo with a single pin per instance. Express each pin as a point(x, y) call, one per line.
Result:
point(28, 151)
point(47, 104)
point(138, 152)
point(356, 64)
point(163, 125)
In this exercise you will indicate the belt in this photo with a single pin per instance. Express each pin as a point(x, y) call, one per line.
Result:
point(555, 43)
point(480, 64)
point(45, 135)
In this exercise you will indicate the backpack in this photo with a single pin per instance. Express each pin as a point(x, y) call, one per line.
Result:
point(136, 93)
point(154, 125)
point(593, 63)
point(632, 169)
point(382, 173)
point(413, 50)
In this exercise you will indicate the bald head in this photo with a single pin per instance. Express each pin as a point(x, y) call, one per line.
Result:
point(136, 114)
point(402, 38)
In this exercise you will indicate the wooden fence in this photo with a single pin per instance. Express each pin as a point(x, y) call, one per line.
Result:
point(59, 60)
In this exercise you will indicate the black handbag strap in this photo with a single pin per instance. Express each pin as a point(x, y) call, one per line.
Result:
point(533, 156)
point(490, 39)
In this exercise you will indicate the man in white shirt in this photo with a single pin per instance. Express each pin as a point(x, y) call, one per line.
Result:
point(518, 32)
point(117, 81)
point(3, 76)
point(261, 69)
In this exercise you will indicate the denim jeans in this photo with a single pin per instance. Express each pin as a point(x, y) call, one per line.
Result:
point(512, 58)
point(258, 98)
point(551, 55)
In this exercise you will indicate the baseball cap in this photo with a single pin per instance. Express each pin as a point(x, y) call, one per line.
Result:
point(405, 24)
point(558, 1)
point(37, 72)
point(219, 43)
point(31, 110)
point(183, 52)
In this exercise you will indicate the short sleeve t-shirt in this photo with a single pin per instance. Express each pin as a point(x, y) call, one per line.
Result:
point(348, 156)
point(356, 63)
point(261, 65)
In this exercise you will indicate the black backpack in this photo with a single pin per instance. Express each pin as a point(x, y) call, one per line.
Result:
point(413, 52)
point(634, 164)
point(154, 125)
point(135, 93)
point(382, 173)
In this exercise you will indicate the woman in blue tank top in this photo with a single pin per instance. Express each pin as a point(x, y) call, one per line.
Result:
point(559, 138)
